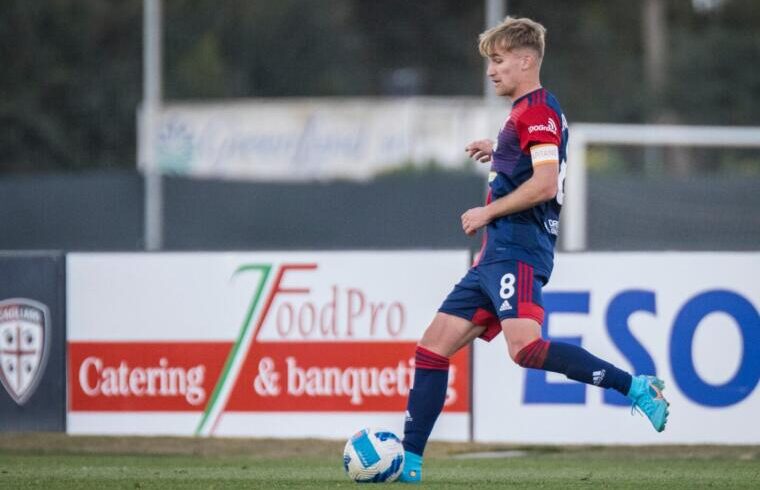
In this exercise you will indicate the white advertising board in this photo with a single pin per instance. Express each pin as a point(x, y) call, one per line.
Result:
point(306, 139)
point(313, 344)
point(690, 318)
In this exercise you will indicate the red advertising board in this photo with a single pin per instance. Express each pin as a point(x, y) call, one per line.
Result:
point(275, 377)
point(142, 376)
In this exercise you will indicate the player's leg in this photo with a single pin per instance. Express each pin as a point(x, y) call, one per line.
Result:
point(442, 339)
point(451, 329)
point(529, 350)
point(445, 336)
point(513, 286)
point(448, 333)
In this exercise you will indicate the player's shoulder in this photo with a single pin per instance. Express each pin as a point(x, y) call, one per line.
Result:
point(540, 120)
point(540, 101)
point(538, 106)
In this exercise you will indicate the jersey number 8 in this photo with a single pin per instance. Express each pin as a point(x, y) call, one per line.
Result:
point(507, 286)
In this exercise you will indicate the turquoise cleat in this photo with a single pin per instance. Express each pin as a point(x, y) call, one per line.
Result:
point(646, 394)
point(412, 472)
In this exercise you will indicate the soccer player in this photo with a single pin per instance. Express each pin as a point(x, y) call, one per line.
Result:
point(502, 290)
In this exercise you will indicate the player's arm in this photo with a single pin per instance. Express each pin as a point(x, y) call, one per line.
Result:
point(541, 187)
point(538, 131)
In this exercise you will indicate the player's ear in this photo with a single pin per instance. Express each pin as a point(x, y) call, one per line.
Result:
point(527, 61)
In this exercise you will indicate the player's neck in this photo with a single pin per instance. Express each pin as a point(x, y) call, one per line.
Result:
point(525, 89)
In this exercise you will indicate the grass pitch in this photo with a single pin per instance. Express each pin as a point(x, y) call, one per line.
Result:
point(57, 461)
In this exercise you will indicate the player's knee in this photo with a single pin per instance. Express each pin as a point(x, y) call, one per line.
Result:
point(445, 334)
point(521, 334)
point(515, 347)
point(529, 353)
point(434, 347)
point(432, 338)
point(437, 346)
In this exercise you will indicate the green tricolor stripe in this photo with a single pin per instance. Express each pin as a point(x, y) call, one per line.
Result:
point(265, 269)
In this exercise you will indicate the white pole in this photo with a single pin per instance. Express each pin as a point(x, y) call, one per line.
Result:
point(151, 107)
point(495, 13)
point(496, 107)
point(496, 113)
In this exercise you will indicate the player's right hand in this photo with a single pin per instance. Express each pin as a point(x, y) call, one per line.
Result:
point(480, 150)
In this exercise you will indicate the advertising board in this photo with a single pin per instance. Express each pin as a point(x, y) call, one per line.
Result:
point(307, 139)
point(314, 344)
point(32, 342)
point(690, 318)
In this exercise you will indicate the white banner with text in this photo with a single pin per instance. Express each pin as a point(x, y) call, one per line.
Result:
point(690, 318)
point(312, 344)
point(307, 139)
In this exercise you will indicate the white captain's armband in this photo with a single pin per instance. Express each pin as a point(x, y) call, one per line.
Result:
point(541, 154)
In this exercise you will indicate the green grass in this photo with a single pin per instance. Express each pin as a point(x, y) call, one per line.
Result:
point(53, 461)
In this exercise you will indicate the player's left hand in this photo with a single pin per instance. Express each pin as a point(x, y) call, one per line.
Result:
point(480, 150)
point(474, 219)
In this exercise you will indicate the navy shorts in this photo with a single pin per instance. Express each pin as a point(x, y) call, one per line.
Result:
point(489, 293)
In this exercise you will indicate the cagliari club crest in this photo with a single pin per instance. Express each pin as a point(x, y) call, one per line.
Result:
point(24, 340)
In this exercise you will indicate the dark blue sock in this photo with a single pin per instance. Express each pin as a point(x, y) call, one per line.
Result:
point(426, 398)
point(574, 362)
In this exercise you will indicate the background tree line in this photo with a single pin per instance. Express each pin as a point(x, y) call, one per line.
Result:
point(72, 77)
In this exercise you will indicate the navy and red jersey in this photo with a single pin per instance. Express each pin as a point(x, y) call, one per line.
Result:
point(530, 235)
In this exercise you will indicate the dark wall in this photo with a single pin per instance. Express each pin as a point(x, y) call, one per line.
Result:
point(89, 211)
point(704, 213)
point(393, 212)
point(104, 211)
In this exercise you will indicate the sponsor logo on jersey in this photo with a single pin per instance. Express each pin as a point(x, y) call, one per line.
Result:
point(552, 226)
point(550, 127)
point(24, 340)
point(598, 376)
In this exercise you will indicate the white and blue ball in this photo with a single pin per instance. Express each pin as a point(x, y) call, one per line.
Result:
point(373, 456)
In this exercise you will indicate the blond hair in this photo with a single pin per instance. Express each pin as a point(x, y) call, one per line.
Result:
point(512, 34)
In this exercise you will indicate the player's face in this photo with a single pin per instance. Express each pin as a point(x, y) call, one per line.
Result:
point(505, 71)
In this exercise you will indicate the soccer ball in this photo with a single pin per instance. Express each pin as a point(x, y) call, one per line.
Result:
point(373, 455)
